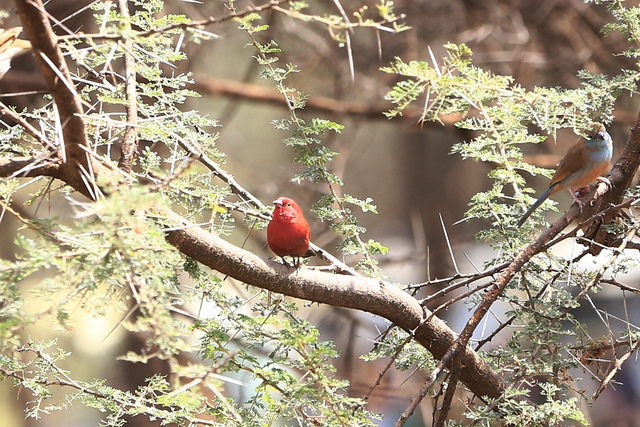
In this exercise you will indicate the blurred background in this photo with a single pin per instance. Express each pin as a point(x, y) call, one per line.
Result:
point(404, 166)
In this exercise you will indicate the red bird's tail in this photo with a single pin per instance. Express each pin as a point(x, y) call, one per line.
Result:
point(310, 252)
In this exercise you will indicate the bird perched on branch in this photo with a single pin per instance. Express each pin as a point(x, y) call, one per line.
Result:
point(585, 162)
point(288, 232)
point(10, 46)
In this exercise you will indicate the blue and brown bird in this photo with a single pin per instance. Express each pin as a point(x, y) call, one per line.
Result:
point(585, 162)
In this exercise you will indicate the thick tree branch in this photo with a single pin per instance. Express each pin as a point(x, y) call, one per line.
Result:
point(453, 353)
point(29, 167)
point(315, 104)
point(269, 95)
point(58, 79)
point(359, 293)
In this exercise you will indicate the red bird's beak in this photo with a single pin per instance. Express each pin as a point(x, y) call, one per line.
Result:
point(278, 202)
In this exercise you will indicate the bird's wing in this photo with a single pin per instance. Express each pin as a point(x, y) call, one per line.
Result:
point(572, 162)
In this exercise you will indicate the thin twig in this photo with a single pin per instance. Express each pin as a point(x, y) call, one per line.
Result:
point(617, 365)
point(130, 141)
point(424, 389)
point(4, 110)
point(182, 25)
point(392, 360)
point(448, 396)
point(63, 380)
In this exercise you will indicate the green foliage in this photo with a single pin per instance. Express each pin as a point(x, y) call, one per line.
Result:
point(405, 353)
point(310, 151)
point(39, 372)
point(337, 25)
point(628, 23)
point(503, 114)
point(514, 409)
point(273, 348)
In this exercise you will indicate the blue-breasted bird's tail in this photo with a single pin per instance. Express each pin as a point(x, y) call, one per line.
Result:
point(533, 207)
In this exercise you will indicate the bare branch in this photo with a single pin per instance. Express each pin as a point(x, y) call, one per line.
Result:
point(392, 360)
point(614, 370)
point(130, 142)
point(424, 389)
point(448, 396)
point(193, 24)
point(315, 104)
point(6, 111)
point(29, 167)
point(58, 79)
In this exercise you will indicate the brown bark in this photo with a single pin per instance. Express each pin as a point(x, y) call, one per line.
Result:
point(315, 104)
point(370, 295)
point(29, 166)
point(38, 29)
point(130, 142)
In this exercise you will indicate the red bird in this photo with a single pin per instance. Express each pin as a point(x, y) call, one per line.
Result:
point(288, 232)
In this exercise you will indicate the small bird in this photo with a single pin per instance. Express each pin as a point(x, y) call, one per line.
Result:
point(288, 232)
point(583, 163)
point(10, 46)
